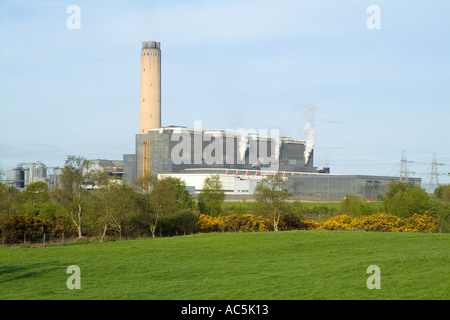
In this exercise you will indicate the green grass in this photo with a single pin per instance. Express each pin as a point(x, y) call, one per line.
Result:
point(267, 265)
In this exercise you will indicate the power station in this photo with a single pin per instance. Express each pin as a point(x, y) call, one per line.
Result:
point(241, 158)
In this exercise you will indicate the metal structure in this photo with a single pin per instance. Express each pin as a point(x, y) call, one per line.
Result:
point(404, 172)
point(434, 180)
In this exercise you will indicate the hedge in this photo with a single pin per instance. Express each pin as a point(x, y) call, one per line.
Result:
point(375, 222)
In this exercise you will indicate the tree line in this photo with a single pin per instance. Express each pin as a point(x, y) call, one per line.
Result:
point(87, 203)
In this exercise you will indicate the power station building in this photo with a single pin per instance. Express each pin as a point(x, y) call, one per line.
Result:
point(175, 149)
point(241, 158)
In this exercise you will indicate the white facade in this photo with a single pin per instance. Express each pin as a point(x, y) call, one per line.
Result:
point(232, 183)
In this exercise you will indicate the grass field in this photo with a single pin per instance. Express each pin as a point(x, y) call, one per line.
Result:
point(267, 265)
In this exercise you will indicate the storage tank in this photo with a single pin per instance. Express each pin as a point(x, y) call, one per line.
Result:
point(15, 177)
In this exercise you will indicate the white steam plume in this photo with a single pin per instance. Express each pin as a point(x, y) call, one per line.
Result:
point(309, 130)
point(243, 142)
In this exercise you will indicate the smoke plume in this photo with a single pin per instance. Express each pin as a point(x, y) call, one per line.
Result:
point(308, 129)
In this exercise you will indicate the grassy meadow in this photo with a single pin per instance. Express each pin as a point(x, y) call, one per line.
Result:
point(288, 265)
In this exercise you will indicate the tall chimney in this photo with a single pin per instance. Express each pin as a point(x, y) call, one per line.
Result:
point(150, 99)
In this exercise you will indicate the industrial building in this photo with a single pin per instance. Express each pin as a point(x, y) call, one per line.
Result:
point(240, 158)
point(26, 173)
point(114, 168)
point(30, 172)
point(175, 149)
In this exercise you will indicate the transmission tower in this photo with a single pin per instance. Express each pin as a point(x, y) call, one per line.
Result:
point(404, 168)
point(434, 181)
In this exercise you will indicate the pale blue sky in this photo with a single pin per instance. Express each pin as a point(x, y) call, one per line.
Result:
point(228, 64)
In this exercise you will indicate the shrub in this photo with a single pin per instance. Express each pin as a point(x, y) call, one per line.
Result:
point(231, 223)
point(181, 223)
point(440, 211)
point(377, 222)
point(309, 225)
point(243, 223)
point(20, 227)
point(419, 223)
point(381, 222)
point(339, 222)
point(404, 199)
point(207, 223)
point(291, 221)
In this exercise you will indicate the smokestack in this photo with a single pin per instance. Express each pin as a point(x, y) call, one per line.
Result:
point(309, 130)
point(150, 99)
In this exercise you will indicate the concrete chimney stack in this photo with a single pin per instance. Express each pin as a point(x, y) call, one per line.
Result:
point(150, 103)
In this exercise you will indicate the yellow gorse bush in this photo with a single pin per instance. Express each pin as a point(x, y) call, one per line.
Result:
point(231, 223)
point(381, 222)
point(376, 222)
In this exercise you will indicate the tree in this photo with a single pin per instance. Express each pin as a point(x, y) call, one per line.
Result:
point(35, 196)
point(162, 201)
point(117, 204)
point(443, 193)
point(8, 196)
point(72, 191)
point(356, 207)
point(211, 198)
point(406, 199)
point(271, 195)
point(183, 197)
point(165, 200)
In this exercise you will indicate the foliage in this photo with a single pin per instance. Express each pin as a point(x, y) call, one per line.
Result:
point(211, 198)
point(166, 199)
point(356, 207)
point(271, 194)
point(443, 193)
point(381, 222)
point(231, 223)
point(35, 196)
point(8, 196)
point(182, 223)
point(115, 205)
point(72, 191)
point(440, 211)
point(164, 207)
point(24, 227)
point(405, 199)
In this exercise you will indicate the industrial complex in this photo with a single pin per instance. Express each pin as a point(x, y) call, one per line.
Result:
point(241, 158)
